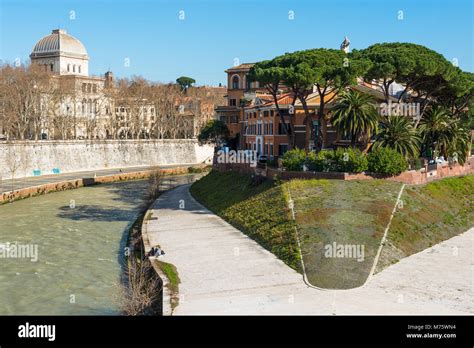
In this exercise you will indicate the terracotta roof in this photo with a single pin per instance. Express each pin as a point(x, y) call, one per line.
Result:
point(284, 99)
point(314, 100)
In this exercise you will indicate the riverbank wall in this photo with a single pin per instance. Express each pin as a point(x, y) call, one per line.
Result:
point(34, 158)
point(82, 182)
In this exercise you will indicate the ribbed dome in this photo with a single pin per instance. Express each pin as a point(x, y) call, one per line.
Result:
point(59, 43)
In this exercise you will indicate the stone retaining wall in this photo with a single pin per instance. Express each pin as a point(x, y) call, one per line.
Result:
point(76, 183)
point(414, 177)
point(30, 158)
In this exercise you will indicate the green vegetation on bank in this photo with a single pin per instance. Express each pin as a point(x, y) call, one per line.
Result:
point(259, 209)
point(382, 160)
point(429, 214)
point(171, 273)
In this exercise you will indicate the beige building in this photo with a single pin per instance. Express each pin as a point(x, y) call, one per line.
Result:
point(82, 98)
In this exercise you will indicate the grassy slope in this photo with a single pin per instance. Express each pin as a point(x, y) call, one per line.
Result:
point(430, 214)
point(259, 211)
point(346, 213)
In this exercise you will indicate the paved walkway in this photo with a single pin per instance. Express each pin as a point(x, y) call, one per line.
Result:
point(19, 183)
point(222, 271)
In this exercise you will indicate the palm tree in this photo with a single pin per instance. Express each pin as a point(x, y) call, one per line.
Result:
point(399, 133)
point(445, 134)
point(435, 130)
point(461, 143)
point(355, 114)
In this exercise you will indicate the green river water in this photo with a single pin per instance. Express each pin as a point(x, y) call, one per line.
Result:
point(80, 236)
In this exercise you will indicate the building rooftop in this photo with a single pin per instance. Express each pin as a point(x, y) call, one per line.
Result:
point(241, 67)
point(59, 43)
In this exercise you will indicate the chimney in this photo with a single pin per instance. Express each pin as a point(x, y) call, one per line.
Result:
point(109, 79)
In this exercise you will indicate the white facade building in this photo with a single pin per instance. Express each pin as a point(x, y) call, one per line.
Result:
point(61, 54)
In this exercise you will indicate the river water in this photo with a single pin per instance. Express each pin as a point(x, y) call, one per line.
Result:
point(80, 236)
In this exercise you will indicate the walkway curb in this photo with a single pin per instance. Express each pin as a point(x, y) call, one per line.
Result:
point(166, 303)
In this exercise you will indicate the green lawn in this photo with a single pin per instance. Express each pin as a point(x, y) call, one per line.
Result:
point(430, 214)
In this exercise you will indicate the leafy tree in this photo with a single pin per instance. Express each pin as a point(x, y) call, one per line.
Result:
point(458, 94)
point(399, 133)
point(214, 131)
point(407, 63)
point(185, 82)
point(269, 74)
point(354, 114)
point(328, 70)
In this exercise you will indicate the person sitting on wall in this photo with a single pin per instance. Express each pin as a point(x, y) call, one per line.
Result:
point(156, 251)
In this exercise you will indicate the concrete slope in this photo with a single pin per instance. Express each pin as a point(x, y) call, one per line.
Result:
point(222, 271)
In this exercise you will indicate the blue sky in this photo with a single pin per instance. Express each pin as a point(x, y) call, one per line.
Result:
point(161, 47)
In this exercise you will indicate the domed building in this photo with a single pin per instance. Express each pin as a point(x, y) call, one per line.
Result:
point(61, 54)
point(83, 96)
point(82, 106)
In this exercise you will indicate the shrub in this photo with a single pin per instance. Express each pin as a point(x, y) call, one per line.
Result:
point(342, 160)
point(294, 159)
point(349, 161)
point(387, 161)
point(320, 162)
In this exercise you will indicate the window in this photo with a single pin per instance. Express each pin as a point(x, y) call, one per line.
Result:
point(270, 152)
point(235, 82)
point(68, 67)
point(282, 148)
point(259, 129)
point(271, 129)
point(79, 68)
point(232, 102)
point(94, 88)
point(271, 113)
point(74, 68)
point(51, 66)
point(281, 128)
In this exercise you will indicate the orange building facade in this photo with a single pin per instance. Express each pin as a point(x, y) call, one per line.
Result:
point(254, 123)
